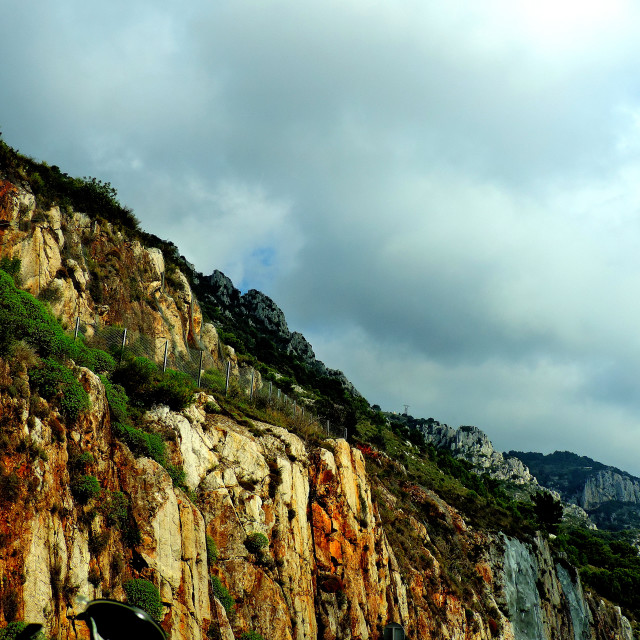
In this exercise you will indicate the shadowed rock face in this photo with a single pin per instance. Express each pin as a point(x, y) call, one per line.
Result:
point(605, 486)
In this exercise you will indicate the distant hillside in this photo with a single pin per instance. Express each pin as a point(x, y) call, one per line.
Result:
point(609, 495)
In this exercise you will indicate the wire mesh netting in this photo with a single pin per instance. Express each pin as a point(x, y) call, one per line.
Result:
point(202, 367)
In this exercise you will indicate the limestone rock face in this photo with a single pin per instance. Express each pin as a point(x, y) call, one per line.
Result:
point(299, 347)
point(607, 485)
point(473, 445)
point(264, 314)
point(222, 289)
point(330, 569)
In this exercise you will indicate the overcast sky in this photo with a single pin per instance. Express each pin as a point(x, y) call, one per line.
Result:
point(443, 197)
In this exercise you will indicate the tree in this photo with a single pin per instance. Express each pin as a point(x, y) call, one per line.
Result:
point(548, 511)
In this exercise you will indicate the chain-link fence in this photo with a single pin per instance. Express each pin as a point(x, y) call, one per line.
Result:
point(206, 372)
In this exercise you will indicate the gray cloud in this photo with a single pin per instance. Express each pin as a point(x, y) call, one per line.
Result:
point(443, 199)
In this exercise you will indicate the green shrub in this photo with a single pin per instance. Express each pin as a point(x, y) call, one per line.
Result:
point(222, 593)
point(117, 399)
point(137, 376)
point(146, 385)
point(12, 630)
point(11, 266)
point(116, 509)
point(251, 635)
point(97, 360)
point(212, 551)
point(141, 443)
point(85, 487)
point(256, 541)
point(178, 476)
point(145, 595)
point(78, 462)
point(54, 380)
point(24, 317)
point(175, 389)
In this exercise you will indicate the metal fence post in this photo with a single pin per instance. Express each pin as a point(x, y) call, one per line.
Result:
point(164, 360)
point(200, 366)
point(124, 342)
point(226, 388)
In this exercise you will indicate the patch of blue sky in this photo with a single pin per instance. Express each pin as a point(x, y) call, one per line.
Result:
point(263, 260)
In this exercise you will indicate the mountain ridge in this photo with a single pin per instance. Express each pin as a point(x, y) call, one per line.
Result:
point(609, 495)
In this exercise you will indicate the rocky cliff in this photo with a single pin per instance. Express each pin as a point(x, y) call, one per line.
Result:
point(607, 486)
point(328, 571)
point(258, 315)
point(473, 445)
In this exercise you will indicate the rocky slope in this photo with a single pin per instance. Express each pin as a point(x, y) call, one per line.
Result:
point(470, 444)
point(329, 570)
point(257, 314)
point(89, 270)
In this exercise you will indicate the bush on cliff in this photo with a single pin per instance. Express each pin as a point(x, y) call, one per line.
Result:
point(11, 266)
point(57, 382)
point(256, 541)
point(145, 595)
point(146, 385)
point(141, 443)
point(222, 594)
point(212, 551)
point(85, 488)
point(23, 317)
point(12, 630)
point(117, 399)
